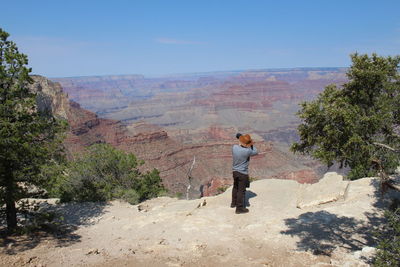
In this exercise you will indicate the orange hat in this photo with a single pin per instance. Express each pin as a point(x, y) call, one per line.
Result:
point(245, 140)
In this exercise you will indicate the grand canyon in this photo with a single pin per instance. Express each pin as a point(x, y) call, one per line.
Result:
point(119, 119)
point(170, 121)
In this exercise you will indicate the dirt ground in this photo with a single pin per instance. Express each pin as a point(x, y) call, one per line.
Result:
point(337, 231)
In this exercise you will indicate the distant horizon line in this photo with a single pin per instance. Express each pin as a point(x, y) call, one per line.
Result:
point(197, 73)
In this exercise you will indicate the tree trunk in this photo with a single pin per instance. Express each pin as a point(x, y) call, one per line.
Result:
point(11, 211)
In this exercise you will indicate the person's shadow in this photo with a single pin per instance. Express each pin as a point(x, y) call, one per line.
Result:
point(249, 194)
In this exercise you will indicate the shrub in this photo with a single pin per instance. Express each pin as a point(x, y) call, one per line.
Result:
point(222, 189)
point(388, 253)
point(105, 173)
point(252, 179)
point(179, 195)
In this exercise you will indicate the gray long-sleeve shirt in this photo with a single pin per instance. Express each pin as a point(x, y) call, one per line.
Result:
point(241, 156)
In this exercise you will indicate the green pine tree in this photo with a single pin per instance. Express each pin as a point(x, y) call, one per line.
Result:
point(356, 125)
point(29, 137)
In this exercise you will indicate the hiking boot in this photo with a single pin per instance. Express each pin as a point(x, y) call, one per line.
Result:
point(233, 206)
point(241, 210)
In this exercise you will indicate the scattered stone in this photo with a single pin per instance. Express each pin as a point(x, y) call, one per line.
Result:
point(31, 259)
point(93, 251)
point(142, 208)
point(201, 247)
point(148, 251)
point(202, 204)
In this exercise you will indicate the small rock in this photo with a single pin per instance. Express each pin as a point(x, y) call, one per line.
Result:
point(202, 247)
point(202, 204)
point(142, 208)
point(148, 251)
point(368, 250)
point(31, 259)
point(93, 251)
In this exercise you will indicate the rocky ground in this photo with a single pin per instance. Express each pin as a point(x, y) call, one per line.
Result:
point(330, 223)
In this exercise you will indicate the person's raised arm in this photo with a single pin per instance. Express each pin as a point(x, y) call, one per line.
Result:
point(253, 151)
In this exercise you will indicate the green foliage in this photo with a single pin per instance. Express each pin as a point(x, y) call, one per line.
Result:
point(149, 185)
point(222, 189)
point(346, 124)
point(179, 195)
point(252, 179)
point(388, 253)
point(52, 176)
point(105, 173)
point(29, 137)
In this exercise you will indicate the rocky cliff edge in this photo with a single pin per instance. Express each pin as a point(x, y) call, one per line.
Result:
point(330, 223)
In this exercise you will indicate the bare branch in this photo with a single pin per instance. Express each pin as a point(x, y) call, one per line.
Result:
point(387, 147)
point(189, 175)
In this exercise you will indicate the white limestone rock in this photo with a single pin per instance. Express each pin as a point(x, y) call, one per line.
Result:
point(329, 189)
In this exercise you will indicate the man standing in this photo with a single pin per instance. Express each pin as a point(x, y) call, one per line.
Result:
point(241, 156)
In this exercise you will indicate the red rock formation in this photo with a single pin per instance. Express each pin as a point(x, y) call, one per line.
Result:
point(251, 96)
point(306, 176)
point(172, 157)
point(218, 133)
point(215, 186)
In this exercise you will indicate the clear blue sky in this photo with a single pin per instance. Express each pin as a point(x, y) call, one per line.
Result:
point(77, 38)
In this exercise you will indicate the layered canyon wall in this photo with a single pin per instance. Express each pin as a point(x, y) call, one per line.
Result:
point(173, 157)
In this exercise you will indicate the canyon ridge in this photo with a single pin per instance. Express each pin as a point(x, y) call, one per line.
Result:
point(169, 120)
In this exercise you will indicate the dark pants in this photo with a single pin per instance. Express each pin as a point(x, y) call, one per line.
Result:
point(239, 189)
